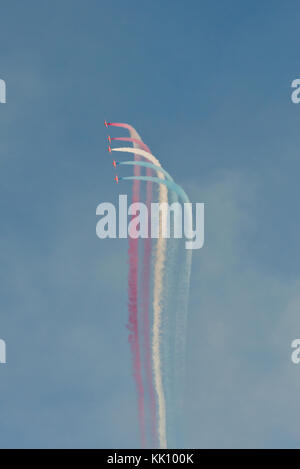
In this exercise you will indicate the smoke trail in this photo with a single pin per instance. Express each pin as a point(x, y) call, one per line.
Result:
point(157, 300)
point(145, 164)
point(146, 290)
point(133, 322)
point(139, 143)
point(170, 185)
point(159, 271)
point(170, 324)
point(183, 288)
point(144, 154)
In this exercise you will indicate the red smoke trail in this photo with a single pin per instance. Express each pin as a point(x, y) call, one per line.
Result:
point(133, 252)
point(133, 298)
point(146, 294)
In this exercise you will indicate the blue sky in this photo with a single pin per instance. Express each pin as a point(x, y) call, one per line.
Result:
point(207, 84)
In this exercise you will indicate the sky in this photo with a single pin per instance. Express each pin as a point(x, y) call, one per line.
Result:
point(208, 86)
